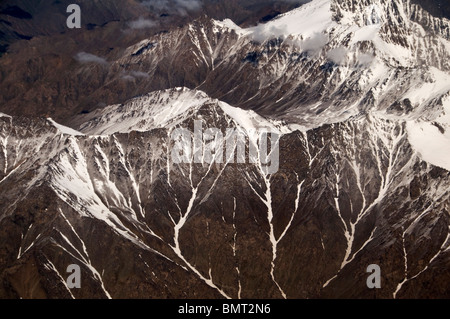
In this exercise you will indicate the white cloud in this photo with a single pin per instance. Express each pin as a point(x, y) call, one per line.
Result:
point(139, 74)
point(142, 23)
point(262, 33)
point(84, 57)
point(338, 55)
point(365, 59)
point(190, 5)
point(127, 77)
point(296, 1)
point(179, 7)
point(314, 43)
point(133, 75)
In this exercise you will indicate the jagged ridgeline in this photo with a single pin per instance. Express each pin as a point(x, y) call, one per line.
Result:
point(357, 93)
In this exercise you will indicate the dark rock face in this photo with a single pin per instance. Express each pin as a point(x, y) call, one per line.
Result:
point(438, 8)
point(48, 18)
point(16, 12)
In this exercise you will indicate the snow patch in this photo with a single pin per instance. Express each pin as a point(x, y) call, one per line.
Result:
point(430, 143)
point(64, 129)
point(160, 109)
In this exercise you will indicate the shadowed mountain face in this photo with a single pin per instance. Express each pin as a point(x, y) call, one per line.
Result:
point(438, 8)
point(356, 95)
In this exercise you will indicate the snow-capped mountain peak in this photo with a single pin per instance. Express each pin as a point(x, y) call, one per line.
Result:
point(64, 129)
point(168, 108)
point(155, 110)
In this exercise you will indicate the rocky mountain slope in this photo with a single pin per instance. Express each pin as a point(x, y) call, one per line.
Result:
point(356, 94)
point(346, 195)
